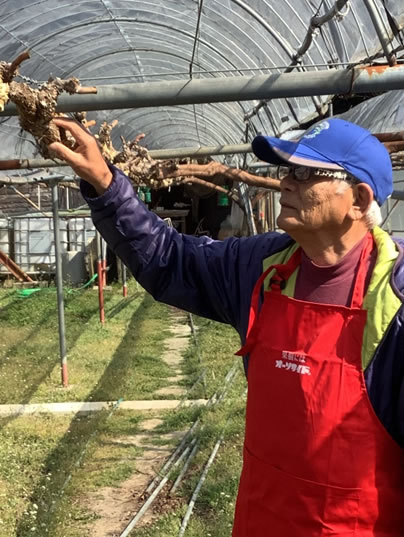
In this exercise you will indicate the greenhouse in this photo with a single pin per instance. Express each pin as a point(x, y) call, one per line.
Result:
point(163, 175)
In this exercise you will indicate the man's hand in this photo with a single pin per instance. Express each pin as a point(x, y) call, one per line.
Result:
point(86, 158)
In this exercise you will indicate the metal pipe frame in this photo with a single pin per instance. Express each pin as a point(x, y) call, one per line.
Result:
point(381, 31)
point(59, 285)
point(224, 89)
point(182, 152)
point(315, 23)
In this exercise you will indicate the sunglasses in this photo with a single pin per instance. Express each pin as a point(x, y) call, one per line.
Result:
point(302, 174)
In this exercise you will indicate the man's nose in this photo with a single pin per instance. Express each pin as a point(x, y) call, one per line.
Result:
point(288, 182)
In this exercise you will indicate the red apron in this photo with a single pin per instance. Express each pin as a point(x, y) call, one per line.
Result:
point(317, 460)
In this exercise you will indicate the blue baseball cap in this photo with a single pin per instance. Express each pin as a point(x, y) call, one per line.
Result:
point(334, 144)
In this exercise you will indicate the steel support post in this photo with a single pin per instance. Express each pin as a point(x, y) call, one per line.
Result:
point(124, 280)
point(100, 273)
point(59, 284)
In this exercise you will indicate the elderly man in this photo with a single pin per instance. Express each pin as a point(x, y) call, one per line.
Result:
point(320, 314)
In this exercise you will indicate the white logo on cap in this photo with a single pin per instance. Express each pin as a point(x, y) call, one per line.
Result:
point(324, 125)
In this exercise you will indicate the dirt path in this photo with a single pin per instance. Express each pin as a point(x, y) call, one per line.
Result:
point(116, 506)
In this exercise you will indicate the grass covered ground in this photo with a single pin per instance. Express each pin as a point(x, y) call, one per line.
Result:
point(49, 463)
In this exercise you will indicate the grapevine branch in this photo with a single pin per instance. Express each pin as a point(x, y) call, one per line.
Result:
point(37, 107)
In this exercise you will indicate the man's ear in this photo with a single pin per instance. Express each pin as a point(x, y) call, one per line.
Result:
point(362, 198)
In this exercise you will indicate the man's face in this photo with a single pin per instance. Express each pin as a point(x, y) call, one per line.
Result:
point(316, 204)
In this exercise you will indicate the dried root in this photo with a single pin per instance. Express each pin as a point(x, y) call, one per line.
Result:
point(6, 75)
point(7, 72)
point(37, 108)
point(4, 91)
point(135, 160)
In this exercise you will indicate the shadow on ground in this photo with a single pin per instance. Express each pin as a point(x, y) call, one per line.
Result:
point(65, 457)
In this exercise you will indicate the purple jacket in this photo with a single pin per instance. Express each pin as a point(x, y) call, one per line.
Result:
point(215, 279)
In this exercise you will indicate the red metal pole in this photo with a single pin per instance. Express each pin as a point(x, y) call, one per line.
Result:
point(100, 278)
point(65, 375)
point(101, 290)
point(103, 262)
point(124, 281)
point(104, 271)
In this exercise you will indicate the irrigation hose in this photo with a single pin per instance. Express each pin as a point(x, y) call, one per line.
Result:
point(214, 399)
point(199, 486)
point(150, 500)
point(162, 477)
point(167, 466)
point(186, 465)
point(204, 474)
point(24, 293)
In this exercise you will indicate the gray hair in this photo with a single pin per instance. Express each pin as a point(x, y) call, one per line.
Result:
point(373, 217)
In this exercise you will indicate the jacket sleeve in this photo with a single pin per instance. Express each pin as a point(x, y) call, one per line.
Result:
point(210, 278)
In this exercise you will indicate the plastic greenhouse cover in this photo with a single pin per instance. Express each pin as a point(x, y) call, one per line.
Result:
point(384, 113)
point(119, 41)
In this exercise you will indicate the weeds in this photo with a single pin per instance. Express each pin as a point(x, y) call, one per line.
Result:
point(49, 463)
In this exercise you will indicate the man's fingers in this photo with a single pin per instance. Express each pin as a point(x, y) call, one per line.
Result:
point(86, 161)
point(63, 152)
point(76, 130)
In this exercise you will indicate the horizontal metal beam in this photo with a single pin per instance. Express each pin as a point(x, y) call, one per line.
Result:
point(183, 152)
point(238, 88)
point(20, 180)
point(205, 151)
point(396, 195)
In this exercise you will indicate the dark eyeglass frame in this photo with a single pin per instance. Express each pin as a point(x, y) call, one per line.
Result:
point(303, 174)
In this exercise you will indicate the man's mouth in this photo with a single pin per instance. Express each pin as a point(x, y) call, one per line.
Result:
point(286, 205)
